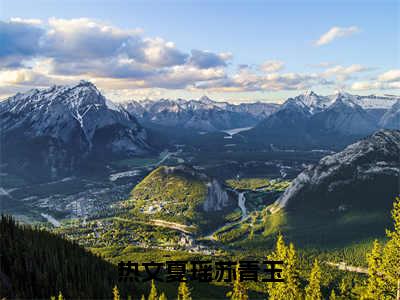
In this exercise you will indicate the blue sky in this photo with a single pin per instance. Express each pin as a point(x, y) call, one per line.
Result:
point(244, 51)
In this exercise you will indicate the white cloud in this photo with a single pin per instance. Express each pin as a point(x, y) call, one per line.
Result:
point(342, 73)
point(246, 80)
point(387, 80)
point(161, 54)
point(26, 21)
point(335, 33)
point(22, 77)
point(272, 66)
point(389, 76)
point(40, 53)
point(207, 59)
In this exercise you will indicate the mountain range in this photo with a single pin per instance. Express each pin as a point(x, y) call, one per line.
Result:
point(57, 130)
point(310, 120)
point(203, 114)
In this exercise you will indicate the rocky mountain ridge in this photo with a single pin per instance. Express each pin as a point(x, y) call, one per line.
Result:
point(60, 128)
point(369, 168)
point(310, 120)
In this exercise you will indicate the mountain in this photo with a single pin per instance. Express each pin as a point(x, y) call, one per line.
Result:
point(181, 195)
point(57, 130)
point(374, 105)
point(364, 175)
point(371, 102)
point(345, 117)
point(203, 114)
point(345, 199)
point(391, 119)
point(310, 120)
point(314, 102)
point(289, 121)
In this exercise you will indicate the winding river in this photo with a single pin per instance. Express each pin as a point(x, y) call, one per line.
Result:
point(241, 204)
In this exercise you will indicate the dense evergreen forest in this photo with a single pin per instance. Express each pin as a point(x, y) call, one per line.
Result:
point(36, 263)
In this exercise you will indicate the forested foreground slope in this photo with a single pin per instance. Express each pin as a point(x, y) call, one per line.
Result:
point(37, 264)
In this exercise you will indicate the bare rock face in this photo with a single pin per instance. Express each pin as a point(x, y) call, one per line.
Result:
point(365, 174)
point(54, 131)
point(217, 197)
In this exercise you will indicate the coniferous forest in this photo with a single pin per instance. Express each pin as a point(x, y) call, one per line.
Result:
point(36, 263)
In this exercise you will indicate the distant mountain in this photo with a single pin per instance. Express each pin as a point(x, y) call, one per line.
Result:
point(344, 117)
point(311, 120)
point(372, 101)
point(315, 103)
point(362, 176)
point(289, 122)
point(203, 114)
point(55, 131)
point(391, 119)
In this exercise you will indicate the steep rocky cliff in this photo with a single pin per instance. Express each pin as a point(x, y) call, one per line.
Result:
point(364, 175)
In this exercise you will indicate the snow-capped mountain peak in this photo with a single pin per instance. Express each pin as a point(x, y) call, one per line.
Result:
point(63, 116)
point(313, 101)
point(204, 99)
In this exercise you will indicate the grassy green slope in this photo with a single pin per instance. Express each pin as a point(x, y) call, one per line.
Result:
point(169, 196)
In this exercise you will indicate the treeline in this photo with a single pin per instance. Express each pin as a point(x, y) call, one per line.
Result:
point(35, 263)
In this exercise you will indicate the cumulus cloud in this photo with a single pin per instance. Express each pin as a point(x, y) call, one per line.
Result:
point(374, 85)
point(246, 80)
point(23, 77)
point(335, 33)
point(390, 76)
point(342, 73)
point(272, 66)
point(84, 38)
point(26, 21)
point(207, 59)
point(162, 54)
point(387, 80)
point(39, 53)
point(89, 48)
point(19, 41)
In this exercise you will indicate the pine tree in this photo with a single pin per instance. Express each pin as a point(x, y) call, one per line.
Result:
point(143, 297)
point(239, 290)
point(153, 291)
point(344, 288)
point(333, 295)
point(184, 292)
point(313, 290)
point(163, 297)
point(60, 296)
point(290, 288)
point(384, 263)
point(375, 283)
point(391, 255)
point(116, 293)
